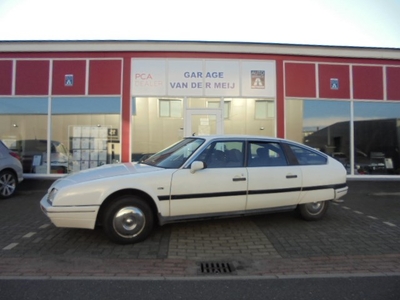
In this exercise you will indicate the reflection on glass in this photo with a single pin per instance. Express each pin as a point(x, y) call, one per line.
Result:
point(323, 125)
point(377, 137)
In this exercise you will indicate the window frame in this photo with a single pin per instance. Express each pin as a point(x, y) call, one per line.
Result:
point(292, 157)
point(170, 101)
point(267, 111)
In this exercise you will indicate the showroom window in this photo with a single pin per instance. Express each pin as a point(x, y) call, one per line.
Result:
point(377, 138)
point(89, 128)
point(366, 143)
point(23, 124)
point(154, 126)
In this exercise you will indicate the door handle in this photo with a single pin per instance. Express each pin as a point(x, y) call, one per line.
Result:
point(239, 179)
point(291, 176)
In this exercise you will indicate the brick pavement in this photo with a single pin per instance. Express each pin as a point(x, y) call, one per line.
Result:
point(356, 237)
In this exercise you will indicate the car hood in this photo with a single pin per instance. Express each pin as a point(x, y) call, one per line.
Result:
point(106, 171)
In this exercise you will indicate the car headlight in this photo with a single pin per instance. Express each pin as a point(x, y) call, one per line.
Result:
point(52, 195)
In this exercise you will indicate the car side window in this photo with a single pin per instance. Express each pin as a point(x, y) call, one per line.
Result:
point(223, 154)
point(266, 154)
point(308, 157)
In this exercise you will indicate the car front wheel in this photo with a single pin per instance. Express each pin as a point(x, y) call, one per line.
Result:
point(128, 220)
point(8, 184)
point(313, 211)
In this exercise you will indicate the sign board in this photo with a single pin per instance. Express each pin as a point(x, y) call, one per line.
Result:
point(334, 84)
point(203, 78)
point(69, 80)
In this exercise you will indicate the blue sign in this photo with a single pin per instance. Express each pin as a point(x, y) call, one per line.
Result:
point(69, 80)
point(334, 84)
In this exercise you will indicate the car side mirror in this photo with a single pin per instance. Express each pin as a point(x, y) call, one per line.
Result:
point(196, 165)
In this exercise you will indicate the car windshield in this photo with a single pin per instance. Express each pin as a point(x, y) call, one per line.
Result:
point(176, 155)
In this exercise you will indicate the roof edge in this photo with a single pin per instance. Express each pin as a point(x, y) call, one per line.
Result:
point(197, 46)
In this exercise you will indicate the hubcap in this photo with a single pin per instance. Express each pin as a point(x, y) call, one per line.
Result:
point(315, 207)
point(129, 221)
point(7, 184)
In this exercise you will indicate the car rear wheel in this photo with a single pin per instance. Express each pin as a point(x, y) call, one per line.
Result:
point(8, 184)
point(314, 210)
point(128, 220)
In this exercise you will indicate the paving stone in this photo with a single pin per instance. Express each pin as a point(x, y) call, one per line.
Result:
point(347, 241)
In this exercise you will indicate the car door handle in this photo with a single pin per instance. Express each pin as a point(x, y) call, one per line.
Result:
point(239, 179)
point(291, 176)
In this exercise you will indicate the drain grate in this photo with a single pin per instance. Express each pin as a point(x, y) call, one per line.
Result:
point(216, 268)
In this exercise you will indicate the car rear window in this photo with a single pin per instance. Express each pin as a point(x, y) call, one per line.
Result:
point(308, 157)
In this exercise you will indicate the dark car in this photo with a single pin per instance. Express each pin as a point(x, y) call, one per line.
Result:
point(34, 156)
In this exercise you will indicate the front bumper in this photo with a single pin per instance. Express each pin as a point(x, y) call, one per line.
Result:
point(70, 216)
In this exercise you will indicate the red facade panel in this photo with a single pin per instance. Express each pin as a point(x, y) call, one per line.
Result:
point(300, 80)
point(105, 77)
point(367, 82)
point(69, 77)
point(5, 77)
point(32, 77)
point(334, 81)
point(393, 83)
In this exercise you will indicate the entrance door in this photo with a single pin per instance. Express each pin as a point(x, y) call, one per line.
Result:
point(203, 122)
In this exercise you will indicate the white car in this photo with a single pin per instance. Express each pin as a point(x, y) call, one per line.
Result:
point(197, 178)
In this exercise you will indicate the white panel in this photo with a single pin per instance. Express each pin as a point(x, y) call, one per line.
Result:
point(258, 79)
point(199, 77)
point(185, 77)
point(222, 78)
point(148, 77)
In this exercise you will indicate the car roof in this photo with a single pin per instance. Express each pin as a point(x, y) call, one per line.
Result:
point(239, 136)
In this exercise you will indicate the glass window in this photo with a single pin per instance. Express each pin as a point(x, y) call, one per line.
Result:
point(216, 104)
point(227, 154)
point(170, 108)
point(376, 138)
point(263, 154)
point(85, 133)
point(308, 157)
point(152, 127)
point(23, 120)
point(321, 124)
point(175, 155)
point(244, 118)
point(264, 109)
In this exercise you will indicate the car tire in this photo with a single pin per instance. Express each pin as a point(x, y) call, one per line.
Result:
point(128, 220)
point(8, 184)
point(313, 211)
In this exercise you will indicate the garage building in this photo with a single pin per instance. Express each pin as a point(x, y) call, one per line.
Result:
point(81, 104)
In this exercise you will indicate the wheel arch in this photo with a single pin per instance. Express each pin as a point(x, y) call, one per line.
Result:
point(12, 171)
point(126, 192)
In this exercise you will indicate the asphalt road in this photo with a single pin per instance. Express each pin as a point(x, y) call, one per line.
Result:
point(354, 288)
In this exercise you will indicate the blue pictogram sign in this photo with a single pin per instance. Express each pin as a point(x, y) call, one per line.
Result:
point(334, 84)
point(69, 80)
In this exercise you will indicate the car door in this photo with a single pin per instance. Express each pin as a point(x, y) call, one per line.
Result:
point(317, 181)
point(272, 182)
point(221, 187)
